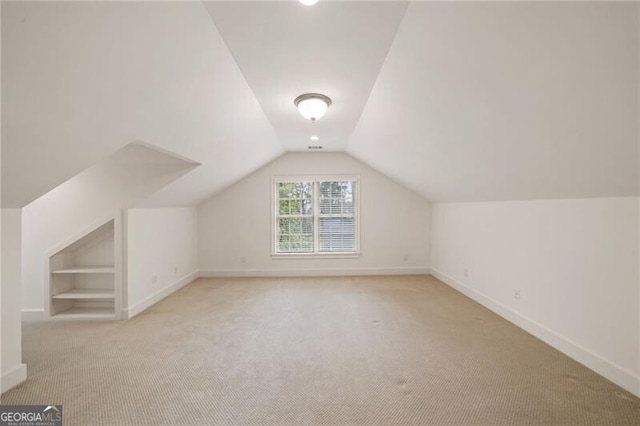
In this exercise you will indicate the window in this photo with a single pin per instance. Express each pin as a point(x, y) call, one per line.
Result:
point(315, 215)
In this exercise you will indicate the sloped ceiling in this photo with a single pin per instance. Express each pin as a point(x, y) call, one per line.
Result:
point(83, 79)
point(507, 101)
point(285, 49)
point(460, 101)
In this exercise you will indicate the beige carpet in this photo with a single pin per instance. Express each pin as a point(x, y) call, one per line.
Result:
point(364, 350)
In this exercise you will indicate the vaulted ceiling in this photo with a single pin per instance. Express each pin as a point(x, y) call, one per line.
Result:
point(460, 101)
point(285, 49)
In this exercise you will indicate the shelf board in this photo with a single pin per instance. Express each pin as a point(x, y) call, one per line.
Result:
point(86, 313)
point(87, 293)
point(100, 269)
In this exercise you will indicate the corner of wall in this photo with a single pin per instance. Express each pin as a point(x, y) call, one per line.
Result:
point(618, 375)
point(131, 311)
point(430, 231)
point(13, 378)
point(546, 259)
point(638, 172)
point(12, 369)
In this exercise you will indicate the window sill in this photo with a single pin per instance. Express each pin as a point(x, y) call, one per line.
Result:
point(283, 256)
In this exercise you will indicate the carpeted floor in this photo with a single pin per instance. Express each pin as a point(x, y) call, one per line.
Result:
point(358, 350)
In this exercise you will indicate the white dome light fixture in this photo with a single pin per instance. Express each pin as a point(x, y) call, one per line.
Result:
point(308, 2)
point(312, 106)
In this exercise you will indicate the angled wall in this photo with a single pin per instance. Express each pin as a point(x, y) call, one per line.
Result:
point(236, 224)
point(85, 201)
point(83, 79)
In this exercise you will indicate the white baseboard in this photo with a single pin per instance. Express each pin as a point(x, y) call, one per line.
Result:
point(158, 296)
point(618, 375)
point(13, 377)
point(320, 272)
point(33, 315)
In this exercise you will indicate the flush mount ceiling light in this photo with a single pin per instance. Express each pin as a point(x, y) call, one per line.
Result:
point(314, 138)
point(312, 106)
point(308, 2)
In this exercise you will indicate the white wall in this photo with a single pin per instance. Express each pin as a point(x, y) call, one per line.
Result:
point(574, 261)
point(12, 368)
point(237, 223)
point(86, 200)
point(161, 243)
point(1, 279)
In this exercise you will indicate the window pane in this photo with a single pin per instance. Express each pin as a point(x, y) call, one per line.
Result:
point(295, 235)
point(336, 198)
point(336, 226)
point(295, 221)
point(336, 234)
point(283, 207)
point(283, 226)
point(295, 198)
point(283, 243)
point(325, 205)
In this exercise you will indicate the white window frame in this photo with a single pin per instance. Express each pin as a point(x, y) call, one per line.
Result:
point(315, 179)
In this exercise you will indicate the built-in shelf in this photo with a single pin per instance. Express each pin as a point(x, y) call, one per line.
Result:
point(87, 294)
point(86, 313)
point(86, 270)
point(82, 277)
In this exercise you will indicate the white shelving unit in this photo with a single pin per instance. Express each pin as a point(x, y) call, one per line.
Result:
point(82, 277)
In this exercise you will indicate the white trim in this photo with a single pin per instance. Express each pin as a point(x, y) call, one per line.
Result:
point(13, 378)
point(308, 272)
point(33, 315)
point(118, 258)
point(314, 178)
point(134, 310)
point(618, 375)
point(165, 152)
point(331, 255)
point(316, 220)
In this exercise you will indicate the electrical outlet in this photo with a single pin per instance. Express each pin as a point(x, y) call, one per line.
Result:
point(406, 257)
point(243, 259)
point(466, 272)
point(175, 270)
point(154, 279)
point(516, 294)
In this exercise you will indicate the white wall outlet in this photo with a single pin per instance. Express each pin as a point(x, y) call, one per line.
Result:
point(154, 279)
point(175, 270)
point(516, 294)
point(243, 259)
point(466, 272)
point(406, 257)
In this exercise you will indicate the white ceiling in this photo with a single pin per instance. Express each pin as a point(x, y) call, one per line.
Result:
point(460, 101)
point(285, 49)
